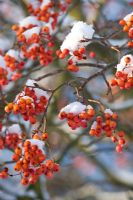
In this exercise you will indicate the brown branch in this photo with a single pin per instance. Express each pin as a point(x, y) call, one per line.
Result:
point(50, 74)
point(99, 73)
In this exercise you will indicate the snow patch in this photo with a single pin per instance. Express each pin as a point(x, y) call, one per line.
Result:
point(80, 31)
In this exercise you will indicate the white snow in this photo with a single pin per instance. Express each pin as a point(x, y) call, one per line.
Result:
point(15, 128)
point(19, 95)
point(40, 93)
point(27, 97)
point(89, 107)
point(80, 31)
point(30, 82)
point(35, 4)
point(44, 3)
point(28, 34)
point(29, 20)
point(33, 45)
point(108, 111)
point(2, 62)
point(22, 95)
point(13, 53)
point(94, 125)
point(128, 17)
point(75, 107)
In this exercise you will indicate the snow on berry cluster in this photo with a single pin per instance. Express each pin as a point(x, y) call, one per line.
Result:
point(12, 137)
point(35, 32)
point(107, 124)
point(127, 23)
point(29, 156)
point(34, 39)
point(13, 60)
point(32, 34)
point(3, 72)
point(29, 103)
point(9, 68)
point(124, 75)
point(48, 10)
point(75, 43)
point(31, 161)
point(77, 114)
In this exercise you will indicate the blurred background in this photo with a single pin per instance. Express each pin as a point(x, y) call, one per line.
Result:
point(90, 168)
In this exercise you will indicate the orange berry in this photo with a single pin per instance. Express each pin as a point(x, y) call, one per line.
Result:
point(119, 148)
point(32, 119)
point(73, 68)
point(91, 112)
point(7, 110)
point(130, 44)
point(36, 136)
point(92, 132)
point(126, 28)
point(24, 181)
point(15, 157)
point(122, 22)
point(44, 136)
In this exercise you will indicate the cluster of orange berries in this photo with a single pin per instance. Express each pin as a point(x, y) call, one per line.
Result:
point(10, 68)
point(12, 62)
point(77, 119)
point(32, 38)
point(127, 24)
point(107, 124)
point(4, 173)
point(31, 33)
point(30, 162)
point(39, 135)
point(49, 12)
point(3, 76)
point(3, 71)
point(38, 52)
point(11, 141)
point(11, 137)
point(77, 55)
point(122, 80)
point(28, 104)
point(124, 75)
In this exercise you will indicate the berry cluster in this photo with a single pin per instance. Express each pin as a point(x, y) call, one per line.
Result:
point(10, 67)
point(122, 80)
point(38, 52)
point(30, 162)
point(32, 35)
point(3, 72)
point(12, 138)
point(3, 76)
point(75, 44)
point(48, 11)
point(77, 55)
point(107, 124)
point(29, 103)
point(77, 114)
point(4, 173)
point(39, 135)
point(123, 76)
point(13, 60)
point(127, 24)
